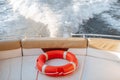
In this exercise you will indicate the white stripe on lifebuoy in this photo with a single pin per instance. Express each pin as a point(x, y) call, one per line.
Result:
point(43, 68)
point(64, 54)
point(74, 65)
point(46, 56)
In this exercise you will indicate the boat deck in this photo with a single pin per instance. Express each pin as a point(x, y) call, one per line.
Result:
point(95, 63)
point(90, 68)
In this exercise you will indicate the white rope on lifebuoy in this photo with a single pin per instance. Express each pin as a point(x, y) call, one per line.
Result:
point(43, 68)
point(46, 56)
point(74, 65)
point(64, 54)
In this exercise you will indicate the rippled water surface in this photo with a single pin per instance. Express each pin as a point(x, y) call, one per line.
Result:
point(59, 18)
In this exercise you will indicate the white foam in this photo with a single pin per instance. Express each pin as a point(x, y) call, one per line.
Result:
point(114, 23)
point(62, 17)
point(112, 18)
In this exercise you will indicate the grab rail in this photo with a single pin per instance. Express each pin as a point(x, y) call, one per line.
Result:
point(72, 35)
point(95, 35)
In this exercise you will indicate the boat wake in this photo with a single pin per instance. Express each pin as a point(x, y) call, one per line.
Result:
point(61, 18)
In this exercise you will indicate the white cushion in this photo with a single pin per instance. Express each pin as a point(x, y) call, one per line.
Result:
point(110, 55)
point(38, 51)
point(33, 51)
point(10, 53)
point(78, 51)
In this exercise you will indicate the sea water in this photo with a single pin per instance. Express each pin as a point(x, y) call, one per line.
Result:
point(59, 18)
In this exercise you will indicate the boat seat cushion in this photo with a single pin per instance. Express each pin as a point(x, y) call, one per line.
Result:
point(104, 48)
point(10, 49)
point(37, 46)
point(104, 44)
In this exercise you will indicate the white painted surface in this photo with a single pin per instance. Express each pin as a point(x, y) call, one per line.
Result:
point(34, 51)
point(100, 69)
point(97, 67)
point(38, 51)
point(10, 53)
point(10, 69)
point(78, 51)
point(29, 72)
point(115, 56)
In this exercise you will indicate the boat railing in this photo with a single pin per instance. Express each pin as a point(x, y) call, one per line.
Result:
point(3, 37)
point(96, 36)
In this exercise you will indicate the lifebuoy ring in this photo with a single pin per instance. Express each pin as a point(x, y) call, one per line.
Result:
point(57, 70)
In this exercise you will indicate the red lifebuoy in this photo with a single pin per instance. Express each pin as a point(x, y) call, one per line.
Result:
point(57, 70)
